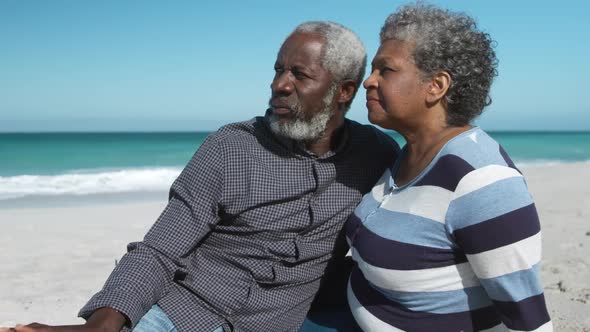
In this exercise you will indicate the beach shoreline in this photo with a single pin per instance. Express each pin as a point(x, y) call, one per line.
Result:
point(54, 258)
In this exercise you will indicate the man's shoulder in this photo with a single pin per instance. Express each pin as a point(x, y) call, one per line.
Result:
point(239, 133)
point(237, 129)
point(371, 137)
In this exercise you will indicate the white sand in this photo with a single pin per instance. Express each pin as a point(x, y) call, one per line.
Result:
point(53, 259)
point(562, 196)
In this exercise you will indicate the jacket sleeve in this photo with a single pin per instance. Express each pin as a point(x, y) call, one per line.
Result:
point(146, 271)
point(494, 220)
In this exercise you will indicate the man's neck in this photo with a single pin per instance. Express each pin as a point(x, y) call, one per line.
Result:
point(329, 140)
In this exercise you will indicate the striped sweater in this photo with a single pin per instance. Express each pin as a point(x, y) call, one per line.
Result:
point(456, 249)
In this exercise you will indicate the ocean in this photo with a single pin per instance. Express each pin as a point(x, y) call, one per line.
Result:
point(82, 164)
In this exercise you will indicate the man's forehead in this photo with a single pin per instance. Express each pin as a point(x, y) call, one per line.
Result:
point(302, 46)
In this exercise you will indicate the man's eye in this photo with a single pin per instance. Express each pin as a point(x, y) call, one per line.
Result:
point(299, 74)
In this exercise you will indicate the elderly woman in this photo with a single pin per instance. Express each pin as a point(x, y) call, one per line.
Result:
point(449, 238)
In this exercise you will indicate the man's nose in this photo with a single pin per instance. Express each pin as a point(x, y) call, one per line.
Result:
point(282, 84)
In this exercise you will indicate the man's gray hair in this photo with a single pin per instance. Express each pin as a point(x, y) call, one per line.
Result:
point(451, 42)
point(344, 55)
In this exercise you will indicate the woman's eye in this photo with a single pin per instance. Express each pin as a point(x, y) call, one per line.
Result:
point(386, 70)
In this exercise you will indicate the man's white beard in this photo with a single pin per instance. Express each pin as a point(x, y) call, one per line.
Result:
point(300, 129)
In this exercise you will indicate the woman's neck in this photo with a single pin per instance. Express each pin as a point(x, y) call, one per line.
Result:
point(422, 146)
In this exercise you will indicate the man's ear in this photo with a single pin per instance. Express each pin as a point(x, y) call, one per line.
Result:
point(438, 86)
point(346, 92)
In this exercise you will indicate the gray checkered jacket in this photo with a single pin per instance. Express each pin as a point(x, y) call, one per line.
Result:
point(250, 226)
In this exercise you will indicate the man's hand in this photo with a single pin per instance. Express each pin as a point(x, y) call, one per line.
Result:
point(36, 327)
point(102, 320)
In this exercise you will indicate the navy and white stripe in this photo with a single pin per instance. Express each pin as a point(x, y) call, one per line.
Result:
point(458, 248)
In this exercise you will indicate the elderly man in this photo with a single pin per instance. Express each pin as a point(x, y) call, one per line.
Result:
point(257, 214)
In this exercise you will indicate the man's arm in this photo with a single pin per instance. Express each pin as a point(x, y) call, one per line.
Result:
point(146, 272)
point(102, 320)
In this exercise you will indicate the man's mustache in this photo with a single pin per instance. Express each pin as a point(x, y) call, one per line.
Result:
point(277, 102)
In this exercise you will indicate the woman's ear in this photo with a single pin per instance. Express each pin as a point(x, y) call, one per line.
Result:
point(438, 86)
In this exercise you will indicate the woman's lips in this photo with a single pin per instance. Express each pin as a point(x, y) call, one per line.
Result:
point(373, 101)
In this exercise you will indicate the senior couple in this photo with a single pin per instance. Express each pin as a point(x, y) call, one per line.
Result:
point(443, 233)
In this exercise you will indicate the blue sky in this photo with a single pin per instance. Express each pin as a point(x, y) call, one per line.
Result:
point(195, 65)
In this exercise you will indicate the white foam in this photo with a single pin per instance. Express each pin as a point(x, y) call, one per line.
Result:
point(99, 182)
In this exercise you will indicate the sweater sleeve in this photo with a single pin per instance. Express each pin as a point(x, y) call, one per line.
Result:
point(493, 218)
point(143, 274)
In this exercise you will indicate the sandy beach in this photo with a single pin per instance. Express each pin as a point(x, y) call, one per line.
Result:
point(54, 258)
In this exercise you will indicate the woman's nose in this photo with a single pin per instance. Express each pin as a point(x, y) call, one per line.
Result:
point(370, 82)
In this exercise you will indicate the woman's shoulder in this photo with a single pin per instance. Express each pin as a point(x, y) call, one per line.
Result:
point(478, 149)
point(471, 159)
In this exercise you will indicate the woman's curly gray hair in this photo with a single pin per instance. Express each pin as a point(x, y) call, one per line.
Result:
point(448, 41)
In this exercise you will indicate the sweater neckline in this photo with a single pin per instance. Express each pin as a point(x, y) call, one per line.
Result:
point(393, 186)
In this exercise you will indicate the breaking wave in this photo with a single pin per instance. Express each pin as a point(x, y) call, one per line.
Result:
point(88, 182)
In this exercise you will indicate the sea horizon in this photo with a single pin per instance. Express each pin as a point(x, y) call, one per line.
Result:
point(38, 165)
